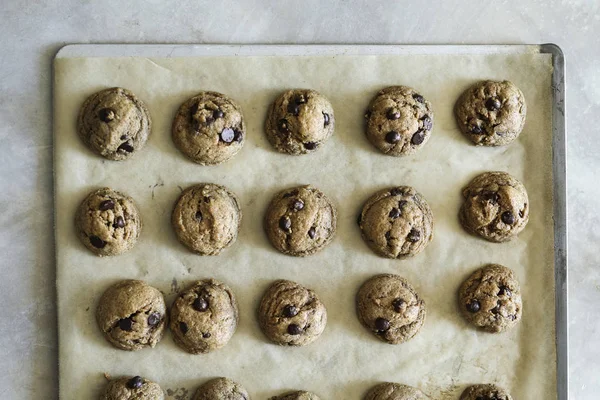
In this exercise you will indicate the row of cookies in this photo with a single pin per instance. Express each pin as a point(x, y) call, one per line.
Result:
point(132, 315)
point(209, 128)
point(395, 222)
point(224, 388)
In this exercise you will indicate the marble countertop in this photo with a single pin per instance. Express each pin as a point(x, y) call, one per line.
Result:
point(32, 32)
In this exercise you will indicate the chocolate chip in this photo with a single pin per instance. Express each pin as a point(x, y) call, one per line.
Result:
point(297, 205)
point(135, 383)
point(382, 324)
point(300, 99)
point(97, 242)
point(293, 108)
point(283, 126)
point(238, 135)
point(393, 114)
point(126, 324)
point(206, 199)
point(490, 196)
point(417, 138)
point(199, 216)
point(521, 213)
point(504, 291)
point(294, 329)
point(183, 327)
point(401, 204)
point(206, 335)
point(496, 310)
point(290, 194)
point(394, 213)
point(119, 222)
point(493, 104)
point(392, 137)
point(475, 128)
point(106, 205)
point(508, 217)
point(388, 235)
point(218, 114)
point(106, 114)
point(123, 137)
point(418, 98)
point(154, 319)
point(125, 147)
point(193, 111)
point(312, 232)
point(473, 306)
point(512, 317)
point(413, 236)
point(285, 223)
point(396, 192)
point(427, 123)
point(325, 119)
point(290, 311)
point(227, 135)
point(397, 304)
point(200, 304)
point(310, 145)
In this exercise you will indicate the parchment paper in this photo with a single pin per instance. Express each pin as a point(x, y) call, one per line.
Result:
point(442, 359)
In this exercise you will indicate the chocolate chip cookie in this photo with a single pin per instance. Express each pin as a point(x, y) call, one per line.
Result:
point(300, 221)
point(207, 218)
point(108, 222)
point(204, 316)
point(114, 123)
point(299, 395)
point(491, 113)
point(399, 121)
point(221, 389)
point(209, 128)
point(132, 315)
point(496, 207)
point(490, 299)
point(394, 391)
point(299, 121)
point(290, 314)
point(485, 392)
point(396, 222)
point(389, 307)
point(135, 387)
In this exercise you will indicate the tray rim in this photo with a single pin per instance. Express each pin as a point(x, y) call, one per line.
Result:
point(559, 131)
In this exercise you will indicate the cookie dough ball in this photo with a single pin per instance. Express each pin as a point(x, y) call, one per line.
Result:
point(209, 128)
point(389, 307)
point(496, 207)
point(399, 121)
point(290, 314)
point(114, 123)
point(221, 389)
point(396, 222)
point(300, 221)
point(207, 218)
point(491, 113)
point(204, 316)
point(135, 387)
point(299, 121)
point(299, 395)
point(108, 222)
point(490, 299)
point(485, 392)
point(394, 391)
point(132, 315)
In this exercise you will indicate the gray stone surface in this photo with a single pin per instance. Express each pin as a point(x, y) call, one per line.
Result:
point(32, 31)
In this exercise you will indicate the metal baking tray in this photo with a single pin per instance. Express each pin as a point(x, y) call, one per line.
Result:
point(559, 162)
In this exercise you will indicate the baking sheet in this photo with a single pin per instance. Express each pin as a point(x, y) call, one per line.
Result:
point(444, 357)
